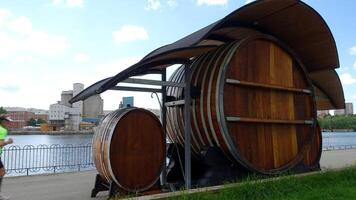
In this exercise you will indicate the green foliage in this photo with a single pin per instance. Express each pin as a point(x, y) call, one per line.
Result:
point(2, 110)
point(32, 122)
point(338, 185)
point(41, 121)
point(338, 122)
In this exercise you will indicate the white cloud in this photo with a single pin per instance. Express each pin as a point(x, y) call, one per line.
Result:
point(18, 35)
point(4, 14)
point(81, 57)
point(8, 45)
point(69, 3)
point(172, 3)
point(20, 25)
point(249, 1)
point(9, 88)
point(23, 59)
point(153, 5)
point(57, 2)
point(112, 68)
point(211, 2)
point(45, 44)
point(75, 3)
point(354, 64)
point(352, 50)
point(128, 33)
point(347, 79)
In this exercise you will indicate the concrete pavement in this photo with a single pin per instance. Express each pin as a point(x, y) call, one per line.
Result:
point(78, 185)
point(338, 158)
point(64, 186)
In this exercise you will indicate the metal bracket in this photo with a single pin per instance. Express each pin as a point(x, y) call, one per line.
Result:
point(175, 103)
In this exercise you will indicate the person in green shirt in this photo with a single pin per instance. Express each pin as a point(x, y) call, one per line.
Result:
point(3, 142)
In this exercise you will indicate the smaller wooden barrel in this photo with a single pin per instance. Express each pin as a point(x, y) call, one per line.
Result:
point(129, 149)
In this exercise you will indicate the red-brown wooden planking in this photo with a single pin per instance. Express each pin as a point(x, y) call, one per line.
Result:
point(314, 149)
point(262, 145)
point(129, 149)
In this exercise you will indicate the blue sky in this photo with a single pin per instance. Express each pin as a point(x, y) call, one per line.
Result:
point(47, 45)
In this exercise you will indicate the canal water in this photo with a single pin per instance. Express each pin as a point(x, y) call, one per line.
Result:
point(329, 139)
point(22, 140)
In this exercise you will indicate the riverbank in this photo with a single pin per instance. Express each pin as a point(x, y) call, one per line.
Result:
point(338, 130)
point(51, 132)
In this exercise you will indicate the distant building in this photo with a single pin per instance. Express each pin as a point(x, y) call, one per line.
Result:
point(39, 114)
point(44, 117)
point(322, 113)
point(127, 102)
point(19, 118)
point(38, 111)
point(57, 115)
point(69, 116)
point(339, 112)
point(65, 97)
point(349, 110)
point(93, 107)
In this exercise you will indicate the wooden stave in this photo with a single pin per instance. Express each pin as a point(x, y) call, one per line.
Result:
point(99, 147)
point(311, 158)
point(237, 158)
point(101, 154)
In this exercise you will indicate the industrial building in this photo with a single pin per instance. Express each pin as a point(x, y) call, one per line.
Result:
point(20, 116)
point(127, 102)
point(64, 115)
point(349, 110)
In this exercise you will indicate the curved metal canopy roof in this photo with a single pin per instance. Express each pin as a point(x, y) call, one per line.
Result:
point(292, 21)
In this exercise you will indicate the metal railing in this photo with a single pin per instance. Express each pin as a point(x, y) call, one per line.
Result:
point(31, 159)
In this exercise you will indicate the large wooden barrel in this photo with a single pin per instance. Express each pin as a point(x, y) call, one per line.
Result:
point(256, 103)
point(129, 148)
point(314, 149)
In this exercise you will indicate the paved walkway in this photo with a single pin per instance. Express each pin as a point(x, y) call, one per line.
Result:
point(77, 186)
point(338, 158)
point(65, 186)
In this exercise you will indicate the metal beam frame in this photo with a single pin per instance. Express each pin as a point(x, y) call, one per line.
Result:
point(164, 124)
point(136, 89)
point(187, 109)
point(187, 149)
point(152, 82)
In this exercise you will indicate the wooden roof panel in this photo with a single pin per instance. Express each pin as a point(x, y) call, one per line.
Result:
point(292, 21)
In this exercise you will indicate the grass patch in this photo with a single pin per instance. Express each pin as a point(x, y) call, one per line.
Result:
point(328, 185)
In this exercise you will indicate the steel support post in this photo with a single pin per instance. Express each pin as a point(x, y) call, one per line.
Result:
point(164, 124)
point(187, 150)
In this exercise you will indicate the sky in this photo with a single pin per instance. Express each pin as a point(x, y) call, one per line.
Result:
point(47, 45)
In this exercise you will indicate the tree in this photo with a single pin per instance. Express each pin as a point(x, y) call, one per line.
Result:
point(32, 122)
point(41, 121)
point(2, 110)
